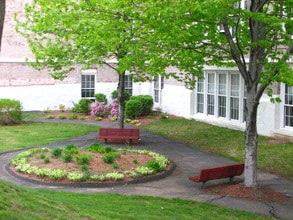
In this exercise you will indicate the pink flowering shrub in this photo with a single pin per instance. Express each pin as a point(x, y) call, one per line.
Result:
point(99, 109)
point(114, 108)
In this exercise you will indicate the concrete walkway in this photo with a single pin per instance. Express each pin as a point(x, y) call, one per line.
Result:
point(188, 162)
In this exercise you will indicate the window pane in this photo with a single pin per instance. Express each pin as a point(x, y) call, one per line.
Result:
point(234, 108)
point(222, 84)
point(288, 106)
point(235, 85)
point(200, 85)
point(200, 103)
point(211, 104)
point(222, 106)
point(289, 116)
point(211, 83)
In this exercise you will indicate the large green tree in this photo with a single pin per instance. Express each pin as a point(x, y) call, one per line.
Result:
point(63, 34)
point(255, 36)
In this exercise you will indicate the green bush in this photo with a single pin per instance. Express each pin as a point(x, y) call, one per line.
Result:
point(83, 159)
point(133, 108)
point(100, 97)
point(146, 101)
point(83, 106)
point(110, 157)
point(154, 165)
point(115, 94)
point(71, 149)
point(57, 152)
point(10, 111)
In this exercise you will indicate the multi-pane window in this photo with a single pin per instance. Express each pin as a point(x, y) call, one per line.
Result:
point(158, 86)
point(288, 106)
point(128, 84)
point(87, 85)
point(219, 94)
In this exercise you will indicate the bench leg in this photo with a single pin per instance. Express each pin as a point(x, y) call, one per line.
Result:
point(231, 179)
point(203, 184)
point(106, 140)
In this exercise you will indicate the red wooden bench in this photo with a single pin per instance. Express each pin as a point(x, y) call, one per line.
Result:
point(119, 134)
point(218, 172)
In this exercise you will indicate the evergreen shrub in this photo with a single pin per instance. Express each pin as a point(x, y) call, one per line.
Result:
point(133, 108)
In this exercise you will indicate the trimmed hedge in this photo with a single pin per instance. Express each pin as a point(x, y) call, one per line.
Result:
point(146, 101)
point(133, 108)
point(10, 111)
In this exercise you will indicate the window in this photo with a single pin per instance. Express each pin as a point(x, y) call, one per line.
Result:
point(234, 96)
point(200, 95)
point(288, 106)
point(221, 94)
point(158, 86)
point(128, 84)
point(88, 84)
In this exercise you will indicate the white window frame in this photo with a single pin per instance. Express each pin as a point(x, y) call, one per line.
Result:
point(283, 106)
point(204, 89)
point(90, 86)
point(158, 86)
point(128, 83)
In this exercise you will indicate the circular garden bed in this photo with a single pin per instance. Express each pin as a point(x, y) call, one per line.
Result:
point(93, 165)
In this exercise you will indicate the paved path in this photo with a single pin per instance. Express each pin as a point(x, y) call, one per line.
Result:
point(188, 162)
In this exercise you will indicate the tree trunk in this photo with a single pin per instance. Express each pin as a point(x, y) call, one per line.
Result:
point(2, 16)
point(251, 137)
point(121, 100)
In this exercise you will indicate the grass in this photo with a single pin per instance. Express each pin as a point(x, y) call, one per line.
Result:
point(37, 133)
point(275, 158)
point(16, 201)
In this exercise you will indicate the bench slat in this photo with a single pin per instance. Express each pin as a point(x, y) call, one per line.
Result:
point(119, 133)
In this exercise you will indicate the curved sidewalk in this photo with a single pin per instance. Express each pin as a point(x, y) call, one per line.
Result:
point(189, 161)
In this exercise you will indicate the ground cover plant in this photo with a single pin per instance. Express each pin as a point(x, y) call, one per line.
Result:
point(94, 163)
point(274, 156)
point(18, 201)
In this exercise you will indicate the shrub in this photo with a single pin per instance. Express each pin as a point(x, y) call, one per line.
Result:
point(95, 147)
point(71, 149)
point(83, 106)
point(99, 109)
point(62, 116)
point(100, 97)
point(82, 118)
point(110, 157)
point(57, 152)
point(154, 165)
point(83, 159)
point(50, 117)
point(146, 101)
point(133, 108)
point(67, 158)
point(115, 95)
point(10, 111)
point(74, 116)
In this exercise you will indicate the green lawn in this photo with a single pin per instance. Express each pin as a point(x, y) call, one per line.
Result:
point(37, 133)
point(27, 204)
point(18, 202)
point(276, 158)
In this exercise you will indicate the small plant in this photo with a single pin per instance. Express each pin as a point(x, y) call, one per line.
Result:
point(50, 117)
point(127, 120)
point(82, 118)
point(46, 160)
point(62, 116)
point(73, 117)
point(67, 158)
point(42, 156)
point(115, 176)
point(164, 116)
point(84, 168)
point(154, 165)
point(83, 159)
point(113, 118)
point(100, 97)
point(98, 118)
point(57, 174)
point(99, 109)
point(83, 106)
point(57, 152)
point(95, 147)
point(71, 149)
point(135, 161)
point(115, 165)
point(75, 176)
point(110, 157)
point(61, 107)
